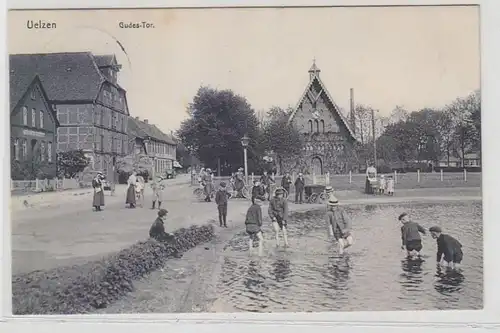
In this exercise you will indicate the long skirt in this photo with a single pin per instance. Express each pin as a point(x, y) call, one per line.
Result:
point(130, 195)
point(368, 187)
point(98, 200)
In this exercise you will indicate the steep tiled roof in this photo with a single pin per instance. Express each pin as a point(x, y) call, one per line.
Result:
point(104, 60)
point(65, 76)
point(18, 86)
point(315, 70)
point(143, 130)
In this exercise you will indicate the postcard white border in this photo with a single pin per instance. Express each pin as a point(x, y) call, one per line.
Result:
point(459, 321)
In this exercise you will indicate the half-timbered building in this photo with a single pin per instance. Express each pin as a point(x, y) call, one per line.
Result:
point(91, 106)
point(329, 137)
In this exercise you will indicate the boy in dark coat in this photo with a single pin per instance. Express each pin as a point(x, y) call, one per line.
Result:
point(258, 191)
point(449, 250)
point(278, 212)
point(410, 235)
point(253, 223)
point(157, 230)
point(286, 181)
point(221, 201)
point(299, 188)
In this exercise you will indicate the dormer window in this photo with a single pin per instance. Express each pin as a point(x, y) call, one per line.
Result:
point(33, 94)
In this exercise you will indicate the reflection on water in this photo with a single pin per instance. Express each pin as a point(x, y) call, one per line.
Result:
point(373, 275)
point(448, 281)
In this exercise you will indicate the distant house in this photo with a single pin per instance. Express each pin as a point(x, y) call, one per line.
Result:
point(471, 159)
point(91, 106)
point(146, 138)
point(33, 126)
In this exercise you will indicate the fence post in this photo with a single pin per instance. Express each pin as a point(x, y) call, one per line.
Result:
point(252, 177)
point(37, 186)
point(314, 178)
point(395, 176)
point(465, 175)
point(418, 175)
point(350, 177)
point(441, 171)
point(327, 178)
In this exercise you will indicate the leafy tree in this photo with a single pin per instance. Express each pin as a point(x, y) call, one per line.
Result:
point(218, 119)
point(280, 137)
point(70, 163)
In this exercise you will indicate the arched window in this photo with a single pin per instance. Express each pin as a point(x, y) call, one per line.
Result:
point(41, 120)
point(310, 126)
point(316, 122)
point(25, 116)
point(322, 126)
point(33, 117)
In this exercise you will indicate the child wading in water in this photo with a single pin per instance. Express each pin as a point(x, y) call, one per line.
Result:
point(410, 236)
point(221, 201)
point(449, 250)
point(253, 223)
point(339, 224)
point(278, 212)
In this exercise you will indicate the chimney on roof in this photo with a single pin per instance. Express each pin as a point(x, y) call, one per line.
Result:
point(146, 121)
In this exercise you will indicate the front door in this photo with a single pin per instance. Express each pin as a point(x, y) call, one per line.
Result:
point(317, 166)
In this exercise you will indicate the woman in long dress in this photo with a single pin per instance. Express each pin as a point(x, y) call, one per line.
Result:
point(371, 175)
point(98, 199)
point(132, 180)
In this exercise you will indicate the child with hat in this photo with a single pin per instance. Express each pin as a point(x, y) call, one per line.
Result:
point(221, 200)
point(253, 224)
point(339, 224)
point(278, 212)
point(449, 250)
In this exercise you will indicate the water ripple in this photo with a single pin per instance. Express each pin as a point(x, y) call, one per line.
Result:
point(373, 275)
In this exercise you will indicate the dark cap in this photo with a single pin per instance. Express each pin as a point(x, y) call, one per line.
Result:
point(162, 212)
point(402, 215)
point(222, 184)
point(279, 191)
point(435, 229)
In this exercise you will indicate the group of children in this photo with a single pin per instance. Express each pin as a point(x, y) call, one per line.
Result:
point(449, 250)
point(385, 185)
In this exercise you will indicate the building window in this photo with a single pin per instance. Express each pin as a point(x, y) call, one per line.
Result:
point(322, 122)
point(25, 116)
point(16, 149)
point(41, 120)
point(25, 148)
point(316, 122)
point(310, 126)
point(33, 117)
point(42, 151)
point(33, 94)
point(101, 140)
point(49, 152)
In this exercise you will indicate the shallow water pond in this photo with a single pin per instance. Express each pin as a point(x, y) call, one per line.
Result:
point(373, 275)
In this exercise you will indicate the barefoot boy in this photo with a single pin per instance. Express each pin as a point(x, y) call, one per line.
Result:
point(449, 250)
point(253, 223)
point(410, 235)
point(278, 212)
point(339, 224)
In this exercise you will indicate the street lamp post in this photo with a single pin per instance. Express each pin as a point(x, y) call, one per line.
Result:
point(244, 142)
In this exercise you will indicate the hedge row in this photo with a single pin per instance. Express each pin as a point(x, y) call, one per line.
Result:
point(84, 288)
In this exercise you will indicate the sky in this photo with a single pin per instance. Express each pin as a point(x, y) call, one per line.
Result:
point(414, 57)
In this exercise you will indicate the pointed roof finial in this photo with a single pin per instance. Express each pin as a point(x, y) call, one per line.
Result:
point(314, 70)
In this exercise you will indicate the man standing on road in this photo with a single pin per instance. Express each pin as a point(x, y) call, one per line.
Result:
point(299, 188)
point(286, 181)
point(221, 201)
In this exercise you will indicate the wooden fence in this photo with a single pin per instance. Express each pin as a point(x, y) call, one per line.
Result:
point(356, 181)
point(43, 185)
